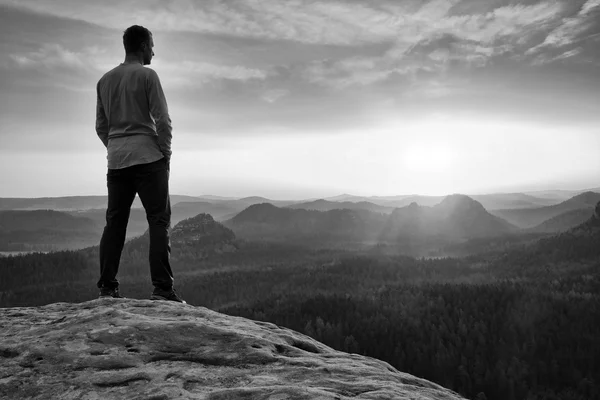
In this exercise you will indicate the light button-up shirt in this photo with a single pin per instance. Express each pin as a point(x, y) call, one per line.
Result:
point(132, 117)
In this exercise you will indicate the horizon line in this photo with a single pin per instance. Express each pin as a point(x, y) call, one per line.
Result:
point(595, 189)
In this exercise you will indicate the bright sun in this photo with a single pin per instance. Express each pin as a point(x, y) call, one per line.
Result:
point(429, 157)
point(429, 148)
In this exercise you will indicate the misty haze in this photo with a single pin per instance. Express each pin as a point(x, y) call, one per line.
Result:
point(356, 199)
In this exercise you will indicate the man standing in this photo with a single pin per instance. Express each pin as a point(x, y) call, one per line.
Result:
point(132, 120)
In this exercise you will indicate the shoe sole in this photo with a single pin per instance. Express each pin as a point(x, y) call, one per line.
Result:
point(157, 297)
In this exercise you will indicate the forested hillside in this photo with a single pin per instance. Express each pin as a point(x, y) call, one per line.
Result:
point(45, 230)
point(517, 324)
point(532, 217)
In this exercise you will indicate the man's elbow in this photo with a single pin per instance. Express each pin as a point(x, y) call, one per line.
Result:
point(164, 128)
point(103, 135)
point(164, 123)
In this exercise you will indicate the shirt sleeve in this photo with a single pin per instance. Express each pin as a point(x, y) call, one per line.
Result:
point(160, 113)
point(101, 119)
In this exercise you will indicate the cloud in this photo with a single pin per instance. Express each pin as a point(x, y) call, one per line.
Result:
point(429, 89)
point(316, 22)
point(309, 65)
point(271, 96)
point(404, 26)
point(60, 62)
point(573, 29)
point(543, 59)
point(53, 56)
point(323, 22)
point(430, 39)
point(354, 71)
point(54, 65)
point(489, 33)
point(195, 73)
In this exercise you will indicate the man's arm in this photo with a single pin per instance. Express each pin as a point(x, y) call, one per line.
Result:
point(160, 113)
point(101, 120)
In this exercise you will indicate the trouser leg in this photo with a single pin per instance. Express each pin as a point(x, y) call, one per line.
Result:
point(121, 192)
point(152, 185)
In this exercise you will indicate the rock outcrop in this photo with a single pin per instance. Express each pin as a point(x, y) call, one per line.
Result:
point(200, 234)
point(139, 349)
point(203, 233)
point(201, 229)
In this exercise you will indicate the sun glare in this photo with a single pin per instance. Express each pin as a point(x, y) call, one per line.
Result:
point(428, 157)
point(430, 149)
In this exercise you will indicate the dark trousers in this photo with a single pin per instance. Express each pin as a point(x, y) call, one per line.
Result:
point(151, 183)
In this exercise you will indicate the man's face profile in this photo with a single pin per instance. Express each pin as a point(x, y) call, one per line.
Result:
point(147, 48)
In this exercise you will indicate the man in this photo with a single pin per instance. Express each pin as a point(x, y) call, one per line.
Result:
point(132, 120)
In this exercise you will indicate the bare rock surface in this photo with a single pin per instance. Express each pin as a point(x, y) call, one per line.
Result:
point(139, 349)
point(202, 229)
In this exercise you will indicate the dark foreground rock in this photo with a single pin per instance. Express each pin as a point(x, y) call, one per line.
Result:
point(139, 349)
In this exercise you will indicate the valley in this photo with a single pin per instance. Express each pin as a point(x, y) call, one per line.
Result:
point(449, 292)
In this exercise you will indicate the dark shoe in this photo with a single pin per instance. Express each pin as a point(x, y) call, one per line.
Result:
point(166, 295)
point(108, 292)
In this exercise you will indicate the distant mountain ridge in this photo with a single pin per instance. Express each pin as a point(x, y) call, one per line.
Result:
point(45, 230)
point(71, 203)
point(325, 205)
point(512, 200)
point(563, 222)
point(188, 209)
point(491, 201)
point(138, 223)
point(579, 243)
point(456, 218)
point(42, 219)
point(530, 218)
point(358, 221)
point(268, 220)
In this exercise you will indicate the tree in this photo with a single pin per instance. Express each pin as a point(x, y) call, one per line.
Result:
point(351, 345)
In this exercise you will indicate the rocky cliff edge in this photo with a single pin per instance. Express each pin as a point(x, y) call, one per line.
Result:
point(139, 349)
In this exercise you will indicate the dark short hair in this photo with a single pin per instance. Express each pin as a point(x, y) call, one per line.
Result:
point(134, 36)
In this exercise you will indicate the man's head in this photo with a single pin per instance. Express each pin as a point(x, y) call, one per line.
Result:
point(138, 40)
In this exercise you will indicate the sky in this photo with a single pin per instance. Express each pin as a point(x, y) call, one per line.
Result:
point(313, 98)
